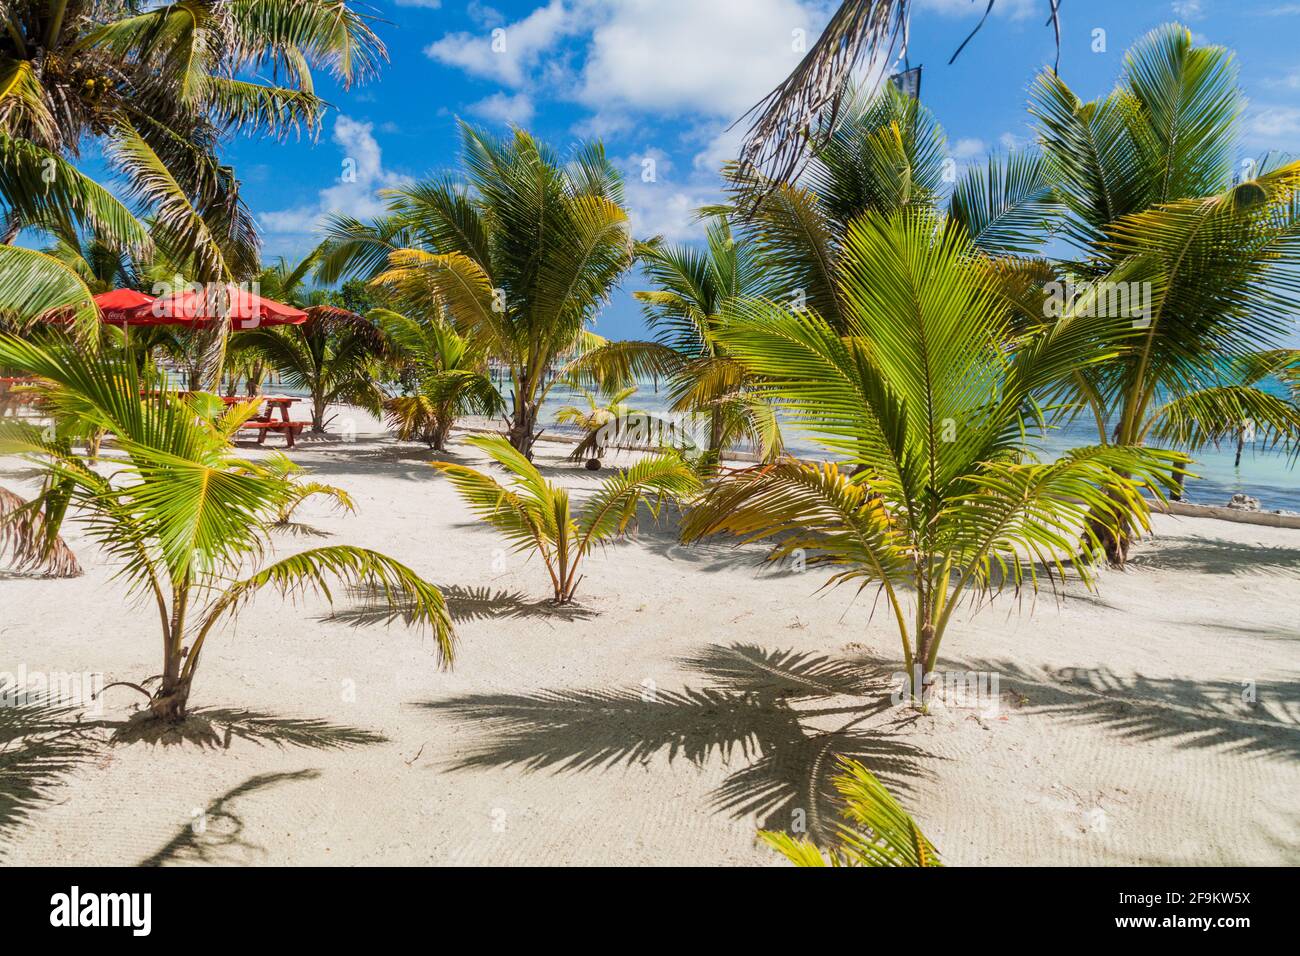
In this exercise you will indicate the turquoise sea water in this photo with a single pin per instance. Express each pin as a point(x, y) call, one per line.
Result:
point(1271, 475)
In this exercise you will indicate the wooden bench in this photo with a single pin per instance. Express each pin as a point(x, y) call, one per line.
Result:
point(291, 429)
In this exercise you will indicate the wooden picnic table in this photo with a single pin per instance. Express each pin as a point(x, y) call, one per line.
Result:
point(266, 421)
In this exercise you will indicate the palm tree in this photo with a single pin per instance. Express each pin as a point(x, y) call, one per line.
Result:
point(696, 289)
point(926, 389)
point(884, 153)
point(444, 374)
point(1209, 415)
point(155, 89)
point(521, 253)
point(535, 515)
point(334, 356)
point(602, 422)
point(179, 514)
point(1150, 179)
point(877, 831)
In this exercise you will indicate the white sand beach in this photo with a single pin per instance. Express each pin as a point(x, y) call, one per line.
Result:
point(692, 698)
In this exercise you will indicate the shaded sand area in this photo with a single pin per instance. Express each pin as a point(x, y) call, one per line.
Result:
point(692, 698)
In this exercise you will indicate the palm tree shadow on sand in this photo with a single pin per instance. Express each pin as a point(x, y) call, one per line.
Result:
point(217, 728)
point(217, 835)
point(1256, 719)
point(463, 604)
point(41, 743)
point(1217, 556)
point(758, 706)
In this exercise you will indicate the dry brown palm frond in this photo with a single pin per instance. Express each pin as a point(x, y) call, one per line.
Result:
point(809, 98)
point(25, 536)
point(802, 111)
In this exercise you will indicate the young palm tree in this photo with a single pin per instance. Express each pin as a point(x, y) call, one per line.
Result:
point(602, 422)
point(155, 88)
point(535, 515)
point(696, 288)
point(877, 831)
point(1150, 177)
point(521, 254)
point(180, 515)
point(926, 389)
point(444, 375)
point(334, 356)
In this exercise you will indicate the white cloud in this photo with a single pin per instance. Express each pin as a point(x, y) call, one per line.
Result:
point(1010, 141)
point(603, 125)
point(658, 203)
point(1187, 9)
point(354, 193)
point(504, 108)
point(969, 148)
point(721, 148)
point(1290, 81)
point(484, 14)
point(716, 58)
point(660, 209)
point(507, 53)
point(1273, 127)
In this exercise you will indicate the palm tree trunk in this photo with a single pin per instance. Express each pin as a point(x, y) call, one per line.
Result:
point(521, 432)
point(169, 703)
point(318, 410)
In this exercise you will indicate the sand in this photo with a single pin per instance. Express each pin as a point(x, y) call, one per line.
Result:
point(692, 698)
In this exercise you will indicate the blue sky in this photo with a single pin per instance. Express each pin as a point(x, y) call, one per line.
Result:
point(663, 79)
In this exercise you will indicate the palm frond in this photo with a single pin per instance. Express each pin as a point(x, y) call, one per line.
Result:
point(31, 540)
point(877, 831)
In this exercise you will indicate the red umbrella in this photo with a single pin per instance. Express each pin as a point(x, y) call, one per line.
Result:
point(114, 306)
point(245, 309)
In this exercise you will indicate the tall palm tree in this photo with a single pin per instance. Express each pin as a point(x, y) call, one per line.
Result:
point(180, 515)
point(1155, 194)
point(522, 252)
point(926, 389)
point(444, 376)
point(696, 290)
point(155, 88)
